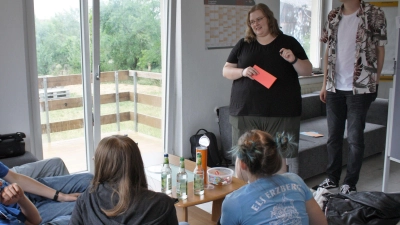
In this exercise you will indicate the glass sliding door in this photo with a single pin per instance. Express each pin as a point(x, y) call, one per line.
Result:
point(130, 92)
point(62, 91)
point(99, 66)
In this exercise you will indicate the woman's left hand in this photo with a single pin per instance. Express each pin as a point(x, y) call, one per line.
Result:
point(287, 54)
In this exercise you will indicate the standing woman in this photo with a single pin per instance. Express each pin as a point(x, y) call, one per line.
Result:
point(119, 193)
point(252, 105)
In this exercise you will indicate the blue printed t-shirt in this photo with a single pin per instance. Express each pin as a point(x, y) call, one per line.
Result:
point(3, 170)
point(10, 214)
point(280, 199)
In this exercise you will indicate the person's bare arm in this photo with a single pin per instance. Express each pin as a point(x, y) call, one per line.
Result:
point(315, 214)
point(13, 193)
point(30, 211)
point(231, 72)
point(380, 54)
point(32, 186)
point(322, 94)
point(302, 67)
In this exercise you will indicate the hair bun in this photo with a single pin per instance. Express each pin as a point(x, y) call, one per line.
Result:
point(285, 143)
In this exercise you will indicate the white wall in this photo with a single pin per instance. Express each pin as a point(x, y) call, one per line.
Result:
point(15, 83)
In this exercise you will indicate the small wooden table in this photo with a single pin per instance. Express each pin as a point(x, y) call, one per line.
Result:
point(216, 195)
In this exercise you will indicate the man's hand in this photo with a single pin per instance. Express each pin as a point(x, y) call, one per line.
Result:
point(11, 194)
point(322, 95)
point(68, 197)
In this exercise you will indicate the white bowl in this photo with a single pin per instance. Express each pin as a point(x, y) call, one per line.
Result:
point(219, 176)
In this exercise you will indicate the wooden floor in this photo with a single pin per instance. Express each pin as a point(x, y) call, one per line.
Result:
point(198, 216)
point(74, 154)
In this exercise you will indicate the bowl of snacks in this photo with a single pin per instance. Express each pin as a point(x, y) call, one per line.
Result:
point(219, 176)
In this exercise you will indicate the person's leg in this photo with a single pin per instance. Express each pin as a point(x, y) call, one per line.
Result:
point(49, 209)
point(43, 168)
point(240, 124)
point(290, 126)
point(336, 113)
point(358, 106)
point(236, 132)
point(293, 164)
point(61, 220)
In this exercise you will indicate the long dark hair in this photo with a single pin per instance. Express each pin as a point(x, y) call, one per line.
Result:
point(118, 162)
point(272, 22)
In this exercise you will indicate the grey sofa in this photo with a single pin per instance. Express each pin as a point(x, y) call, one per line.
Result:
point(19, 160)
point(312, 158)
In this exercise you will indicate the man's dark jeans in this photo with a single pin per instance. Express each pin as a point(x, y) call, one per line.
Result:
point(340, 106)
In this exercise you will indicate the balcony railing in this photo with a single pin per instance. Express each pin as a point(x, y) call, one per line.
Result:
point(47, 104)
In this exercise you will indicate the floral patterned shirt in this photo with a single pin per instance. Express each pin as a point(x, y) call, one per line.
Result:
point(371, 33)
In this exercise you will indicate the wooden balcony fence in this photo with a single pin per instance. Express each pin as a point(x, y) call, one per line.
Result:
point(66, 103)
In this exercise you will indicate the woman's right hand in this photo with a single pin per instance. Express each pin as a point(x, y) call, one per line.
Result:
point(249, 72)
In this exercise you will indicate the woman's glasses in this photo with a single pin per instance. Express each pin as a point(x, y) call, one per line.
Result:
point(252, 22)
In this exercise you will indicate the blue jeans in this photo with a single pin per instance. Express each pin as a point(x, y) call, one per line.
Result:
point(60, 212)
point(340, 106)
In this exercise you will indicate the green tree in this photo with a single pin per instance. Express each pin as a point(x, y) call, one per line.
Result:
point(130, 38)
point(58, 44)
point(132, 30)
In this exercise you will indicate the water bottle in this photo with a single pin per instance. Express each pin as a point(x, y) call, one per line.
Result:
point(166, 179)
point(181, 181)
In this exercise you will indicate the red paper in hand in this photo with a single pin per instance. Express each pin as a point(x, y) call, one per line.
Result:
point(263, 77)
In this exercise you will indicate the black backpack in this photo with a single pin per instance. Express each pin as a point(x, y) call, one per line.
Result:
point(213, 157)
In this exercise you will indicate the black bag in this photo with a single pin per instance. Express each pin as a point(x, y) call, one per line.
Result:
point(213, 157)
point(225, 134)
point(12, 145)
point(373, 208)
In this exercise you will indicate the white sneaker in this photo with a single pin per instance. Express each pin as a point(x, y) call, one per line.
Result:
point(347, 189)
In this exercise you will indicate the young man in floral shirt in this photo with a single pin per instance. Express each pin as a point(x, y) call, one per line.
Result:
point(356, 35)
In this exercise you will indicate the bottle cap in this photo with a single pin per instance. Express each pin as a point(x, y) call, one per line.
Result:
point(165, 155)
point(182, 159)
point(204, 141)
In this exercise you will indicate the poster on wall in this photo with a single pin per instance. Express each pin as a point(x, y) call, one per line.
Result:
point(225, 22)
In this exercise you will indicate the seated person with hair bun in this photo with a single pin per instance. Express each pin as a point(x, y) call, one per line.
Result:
point(269, 198)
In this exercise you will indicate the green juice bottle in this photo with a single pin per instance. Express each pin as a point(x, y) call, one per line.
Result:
point(181, 181)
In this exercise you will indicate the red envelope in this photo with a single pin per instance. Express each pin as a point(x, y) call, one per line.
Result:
point(263, 77)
